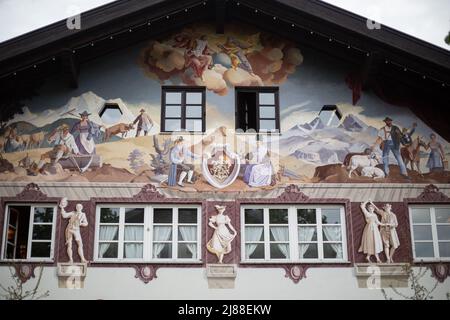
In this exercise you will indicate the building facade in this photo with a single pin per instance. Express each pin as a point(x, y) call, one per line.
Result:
point(157, 153)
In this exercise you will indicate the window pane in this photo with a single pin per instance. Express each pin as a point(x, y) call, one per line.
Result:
point(162, 250)
point(444, 249)
point(443, 232)
point(43, 214)
point(307, 234)
point(279, 234)
point(134, 233)
point(331, 216)
point(173, 112)
point(109, 233)
point(42, 232)
point(442, 215)
point(193, 111)
point(133, 250)
point(278, 216)
point(187, 233)
point(162, 215)
point(306, 216)
point(194, 125)
point(279, 250)
point(9, 251)
point(11, 234)
point(173, 97)
point(108, 250)
point(332, 234)
point(254, 216)
point(134, 215)
point(173, 125)
point(40, 249)
point(267, 112)
point(254, 234)
point(109, 215)
point(308, 251)
point(162, 233)
point(424, 249)
point(254, 251)
point(422, 233)
point(187, 215)
point(194, 97)
point(267, 125)
point(267, 98)
point(420, 215)
point(332, 251)
point(187, 250)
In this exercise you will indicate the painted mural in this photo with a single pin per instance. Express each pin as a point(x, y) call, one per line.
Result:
point(110, 130)
point(198, 56)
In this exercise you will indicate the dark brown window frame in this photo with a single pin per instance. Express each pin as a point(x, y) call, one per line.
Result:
point(257, 90)
point(183, 90)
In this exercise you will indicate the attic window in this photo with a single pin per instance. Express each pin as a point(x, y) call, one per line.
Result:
point(330, 115)
point(110, 113)
point(257, 109)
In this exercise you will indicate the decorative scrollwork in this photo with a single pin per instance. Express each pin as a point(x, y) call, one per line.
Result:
point(432, 193)
point(440, 271)
point(293, 193)
point(145, 273)
point(148, 193)
point(24, 271)
point(295, 272)
point(31, 192)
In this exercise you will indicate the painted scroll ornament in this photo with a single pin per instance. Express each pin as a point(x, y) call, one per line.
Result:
point(221, 167)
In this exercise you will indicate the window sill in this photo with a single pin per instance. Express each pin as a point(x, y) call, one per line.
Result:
point(431, 260)
point(181, 262)
point(343, 262)
point(20, 261)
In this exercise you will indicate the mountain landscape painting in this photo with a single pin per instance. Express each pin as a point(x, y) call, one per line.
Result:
point(316, 151)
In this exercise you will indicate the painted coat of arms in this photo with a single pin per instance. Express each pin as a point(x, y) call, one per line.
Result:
point(221, 167)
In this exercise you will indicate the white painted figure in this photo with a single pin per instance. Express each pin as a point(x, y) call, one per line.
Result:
point(388, 231)
point(371, 243)
point(220, 243)
point(77, 219)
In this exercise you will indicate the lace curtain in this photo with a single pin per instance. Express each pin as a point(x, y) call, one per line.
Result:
point(189, 233)
point(334, 234)
point(252, 234)
point(134, 233)
point(160, 234)
point(107, 233)
point(281, 234)
point(305, 234)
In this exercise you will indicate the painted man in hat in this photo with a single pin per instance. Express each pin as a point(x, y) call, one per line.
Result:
point(87, 130)
point(178, 156)
point(64, 144)
point(389, 139)
point(144, 123)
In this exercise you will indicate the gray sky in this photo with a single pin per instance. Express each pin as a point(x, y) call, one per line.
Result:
point(425, 19)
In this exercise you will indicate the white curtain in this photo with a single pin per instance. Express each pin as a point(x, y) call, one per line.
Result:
point(252, 234)
point(189, 233)
point(160, 234)
point(107, 233)
point(334, 234)
point(305, 234)
point(134, 233)
point(281, 234)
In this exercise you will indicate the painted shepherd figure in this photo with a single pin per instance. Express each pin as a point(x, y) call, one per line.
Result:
point(178, 156)
point(144, 123)
point(77, 219)
point(87, 130)
point(389, 138)
point(65, 145)
point(220, 243)
point(371, 243)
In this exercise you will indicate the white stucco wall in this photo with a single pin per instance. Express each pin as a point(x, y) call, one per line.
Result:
point(191, 284)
